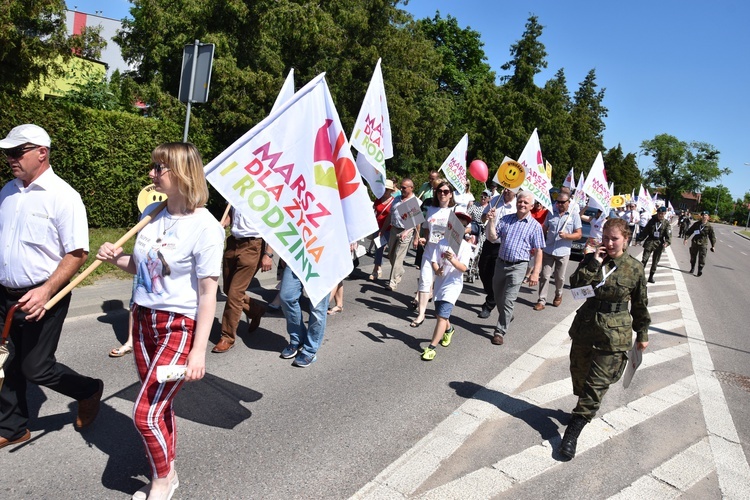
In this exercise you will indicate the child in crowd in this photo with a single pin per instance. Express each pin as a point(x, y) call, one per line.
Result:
point(449, 269)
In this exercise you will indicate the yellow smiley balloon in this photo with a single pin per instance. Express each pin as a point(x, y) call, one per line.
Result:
point(511, 174)
point(617, 201)
point(149, 195)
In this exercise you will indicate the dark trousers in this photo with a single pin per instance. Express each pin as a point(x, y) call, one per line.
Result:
point(241, 262)
point(32, 347)
point(652, 246)
point(487, 271)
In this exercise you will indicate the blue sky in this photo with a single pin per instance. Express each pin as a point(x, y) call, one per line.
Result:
point(679, 67)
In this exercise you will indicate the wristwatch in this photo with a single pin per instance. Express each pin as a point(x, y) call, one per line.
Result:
point(269, 254)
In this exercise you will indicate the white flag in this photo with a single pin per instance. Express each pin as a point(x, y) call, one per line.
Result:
point(580, 196)
point(596, 185)
point(293, 176)
point(372, 134)
point(454, 167)
point(569, 180)
point(536, 179)
point(287, 91)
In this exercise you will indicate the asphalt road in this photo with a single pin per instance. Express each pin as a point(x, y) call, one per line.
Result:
point(370, 419)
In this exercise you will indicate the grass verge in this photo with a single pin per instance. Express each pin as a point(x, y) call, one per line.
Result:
point(96, 238)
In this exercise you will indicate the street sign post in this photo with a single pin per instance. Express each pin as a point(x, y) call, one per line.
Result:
point(195, 79)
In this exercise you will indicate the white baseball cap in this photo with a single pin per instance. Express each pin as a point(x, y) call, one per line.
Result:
point(26, 134)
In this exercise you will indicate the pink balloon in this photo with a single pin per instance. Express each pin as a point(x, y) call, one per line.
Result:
point(478, 170)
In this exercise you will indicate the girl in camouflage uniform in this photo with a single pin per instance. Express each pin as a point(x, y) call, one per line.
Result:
point(602, 331)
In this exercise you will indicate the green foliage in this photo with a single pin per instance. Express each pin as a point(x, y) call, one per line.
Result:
point(718, 196)
point(89, 43)
point(97, 237)
point(622, 170)
point(104, 155)
point(680, 166)
point(32, 37)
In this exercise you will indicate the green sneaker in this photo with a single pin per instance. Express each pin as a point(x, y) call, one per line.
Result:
point(447, 337)
point(428, 354)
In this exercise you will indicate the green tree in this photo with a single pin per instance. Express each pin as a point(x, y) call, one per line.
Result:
point(528, 58)
point(32, 37)
point(555, 131)
point(622, 170)
point(680, 166)
point(89, 43)
point(717, 197)
point(461, 51)
point(587, 123)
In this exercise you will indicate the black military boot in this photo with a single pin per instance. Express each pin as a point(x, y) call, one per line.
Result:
point(570, 439)
point(651, 278)
point(700, 271)
point(692, 268)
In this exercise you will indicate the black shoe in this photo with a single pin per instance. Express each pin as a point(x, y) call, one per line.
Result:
point(700, 273)
point(692, 269)
point(651, 279)
point(570, 439)
point(485, 313)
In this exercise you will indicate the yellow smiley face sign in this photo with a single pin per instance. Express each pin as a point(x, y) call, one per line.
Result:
point(511, 175)
point(149, 195)
point(617, 201)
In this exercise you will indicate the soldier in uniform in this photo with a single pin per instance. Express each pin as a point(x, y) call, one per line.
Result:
point(602, 329)
point(656, 236)
point(702, 232)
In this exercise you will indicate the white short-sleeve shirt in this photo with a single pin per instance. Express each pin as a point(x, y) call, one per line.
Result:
point(171, 254)
point(39, 225)
point(448, 286)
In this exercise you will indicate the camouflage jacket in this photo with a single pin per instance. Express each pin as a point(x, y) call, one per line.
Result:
point(705, 234)
point(648, 233)
point(611, 331)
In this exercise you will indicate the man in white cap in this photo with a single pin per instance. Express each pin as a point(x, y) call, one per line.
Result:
point(43, 242)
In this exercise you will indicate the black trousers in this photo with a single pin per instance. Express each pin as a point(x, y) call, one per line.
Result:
point(32, 347)
point(487, 271)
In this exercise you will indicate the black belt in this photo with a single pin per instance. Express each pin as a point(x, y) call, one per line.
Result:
point(508, 263)
point(606, 307)
point(17, 293)
point(248, 238)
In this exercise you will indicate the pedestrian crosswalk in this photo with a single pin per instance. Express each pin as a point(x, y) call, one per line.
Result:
point(675, 338)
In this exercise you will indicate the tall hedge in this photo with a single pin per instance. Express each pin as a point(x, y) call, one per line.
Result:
point(104, 155)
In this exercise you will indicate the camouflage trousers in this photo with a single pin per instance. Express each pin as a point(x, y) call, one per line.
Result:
point(700, 252)
point(593, 371)
point(655, 247)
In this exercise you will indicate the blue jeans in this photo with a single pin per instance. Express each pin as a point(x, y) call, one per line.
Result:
point(379, 251)
point(308, 338)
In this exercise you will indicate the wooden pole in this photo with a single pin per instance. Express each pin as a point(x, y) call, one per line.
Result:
point(118, 244)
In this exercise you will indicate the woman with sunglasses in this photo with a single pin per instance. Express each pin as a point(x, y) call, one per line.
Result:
point(177, 261)
point(432, 232)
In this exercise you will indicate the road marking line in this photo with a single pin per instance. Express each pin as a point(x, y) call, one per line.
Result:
point(665, 293)
point(674, 477)
point(410, 470)
point(731, 464)
point(743, 253)
point(669, 326)
point(488, 482)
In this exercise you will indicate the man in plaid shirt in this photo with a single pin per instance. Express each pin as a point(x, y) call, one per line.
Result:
point(520, 234)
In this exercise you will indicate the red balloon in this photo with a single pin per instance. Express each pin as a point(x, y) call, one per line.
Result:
point(478, 170)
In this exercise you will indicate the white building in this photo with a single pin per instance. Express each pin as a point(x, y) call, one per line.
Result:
point(111, 55)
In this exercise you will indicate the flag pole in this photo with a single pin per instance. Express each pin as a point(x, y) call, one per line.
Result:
point(118, 244)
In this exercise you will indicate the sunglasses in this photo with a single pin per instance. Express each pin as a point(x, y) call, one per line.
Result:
point(405, 187)
point(18, 151)
point(563, 202)
point(159, 168)
point(444, 191)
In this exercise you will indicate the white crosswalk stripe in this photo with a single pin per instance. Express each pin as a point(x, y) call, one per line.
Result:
point(720, 451)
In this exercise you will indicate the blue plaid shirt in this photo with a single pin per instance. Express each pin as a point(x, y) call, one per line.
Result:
point(519, 237)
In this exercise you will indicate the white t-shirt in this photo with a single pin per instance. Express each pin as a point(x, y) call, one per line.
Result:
point(448, 286)
point(171, 254)
point(39, 224)
point(597, 227)
point(463, 200)
point(242, 227)
point(501, 210)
